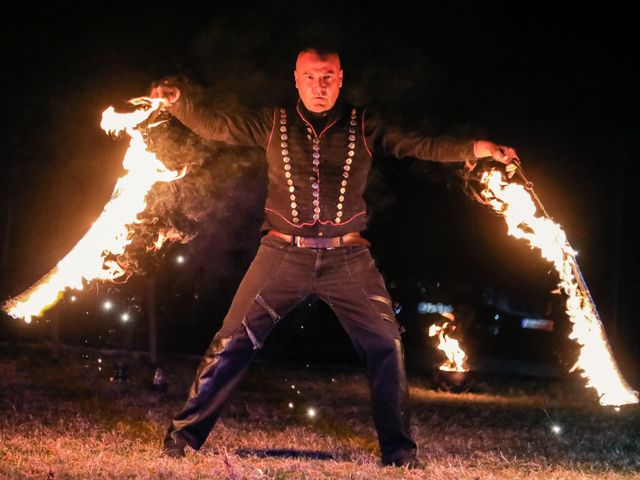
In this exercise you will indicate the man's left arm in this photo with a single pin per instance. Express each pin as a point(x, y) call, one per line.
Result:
point(399, 143)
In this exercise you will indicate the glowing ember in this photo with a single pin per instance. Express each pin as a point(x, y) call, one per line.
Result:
point(92, 257)
point(456, 358)
point(595, 360)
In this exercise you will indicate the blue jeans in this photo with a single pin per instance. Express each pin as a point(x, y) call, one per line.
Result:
point(280, 277)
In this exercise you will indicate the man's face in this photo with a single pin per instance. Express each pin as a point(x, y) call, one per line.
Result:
point(318, 80)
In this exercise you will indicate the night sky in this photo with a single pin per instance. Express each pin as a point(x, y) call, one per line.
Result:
point(560, 87)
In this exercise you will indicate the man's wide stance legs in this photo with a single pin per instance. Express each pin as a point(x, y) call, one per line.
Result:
point(279, 278)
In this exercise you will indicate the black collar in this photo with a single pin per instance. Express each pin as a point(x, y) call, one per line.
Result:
point(322, 119)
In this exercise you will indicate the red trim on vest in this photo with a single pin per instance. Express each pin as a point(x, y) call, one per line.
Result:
point(322, 222)
point(311, 126)
point(364, 137)
point(275, 111)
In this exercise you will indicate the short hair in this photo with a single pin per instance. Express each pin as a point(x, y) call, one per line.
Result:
point(321, 50)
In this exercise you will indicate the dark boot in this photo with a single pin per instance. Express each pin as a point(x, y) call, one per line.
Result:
point(389, 397)
point(174, 446)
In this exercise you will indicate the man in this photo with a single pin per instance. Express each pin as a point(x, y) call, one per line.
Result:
point(319, 155)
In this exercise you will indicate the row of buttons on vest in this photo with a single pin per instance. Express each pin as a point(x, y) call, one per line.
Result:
point(347, 164)
point(284, 137)
point(315, 180)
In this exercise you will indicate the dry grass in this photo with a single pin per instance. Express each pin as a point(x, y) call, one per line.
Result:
point(67, 420)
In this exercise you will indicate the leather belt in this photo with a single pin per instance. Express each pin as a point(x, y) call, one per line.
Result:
point(346, 240)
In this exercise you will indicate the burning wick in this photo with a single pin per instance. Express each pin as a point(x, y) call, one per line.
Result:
point(595, 359)
point(94, 257)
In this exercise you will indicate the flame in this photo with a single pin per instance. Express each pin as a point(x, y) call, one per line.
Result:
point(456, 358)
point(595, 359)
point(109, 234)
point(170, 235)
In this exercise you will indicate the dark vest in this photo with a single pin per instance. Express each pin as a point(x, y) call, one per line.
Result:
point(317, 178)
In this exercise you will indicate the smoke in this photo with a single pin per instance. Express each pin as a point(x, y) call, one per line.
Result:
point(220, 196)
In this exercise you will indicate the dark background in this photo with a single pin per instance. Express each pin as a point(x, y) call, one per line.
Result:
point(559, 86)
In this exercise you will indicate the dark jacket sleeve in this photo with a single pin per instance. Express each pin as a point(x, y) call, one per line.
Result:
point(385, 139)
point(251, 129)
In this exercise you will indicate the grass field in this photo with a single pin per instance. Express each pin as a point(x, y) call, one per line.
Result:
point(67, 419)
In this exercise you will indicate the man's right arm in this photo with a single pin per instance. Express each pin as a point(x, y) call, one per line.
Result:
point(247, 130)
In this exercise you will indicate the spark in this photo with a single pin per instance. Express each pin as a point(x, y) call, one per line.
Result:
point(311, 412)
point(125, 317)
point(107, 305)
point(180, 259)
point(73, 298)
point(290, 404)
point(555, 428)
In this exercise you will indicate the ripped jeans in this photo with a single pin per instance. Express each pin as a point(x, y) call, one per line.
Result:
point(280, 277)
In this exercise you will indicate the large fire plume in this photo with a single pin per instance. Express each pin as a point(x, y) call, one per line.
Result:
point(456, 360)
point(595, 360)
point(95, 256)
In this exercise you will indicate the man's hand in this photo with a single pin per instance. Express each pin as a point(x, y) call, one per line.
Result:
point(500, 153)
point(170, 94)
